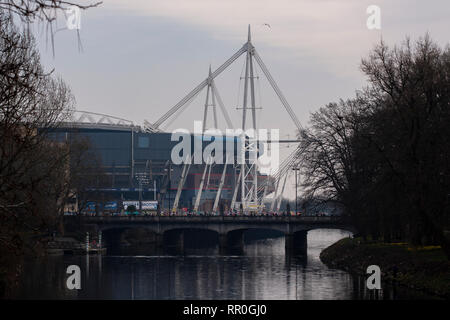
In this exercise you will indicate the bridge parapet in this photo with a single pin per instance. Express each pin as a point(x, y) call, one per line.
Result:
point(210, 219)
point(220, 224)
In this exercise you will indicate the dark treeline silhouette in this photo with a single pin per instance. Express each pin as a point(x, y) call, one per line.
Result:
point(309, 206)
point(31, 167)
point(385, 154)
point(35, 180)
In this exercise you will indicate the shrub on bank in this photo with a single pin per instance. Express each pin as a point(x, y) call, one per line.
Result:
point(422, 268)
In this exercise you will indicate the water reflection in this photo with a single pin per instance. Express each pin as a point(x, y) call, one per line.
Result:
point(263, 272)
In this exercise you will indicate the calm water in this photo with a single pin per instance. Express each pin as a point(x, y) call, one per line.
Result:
point(262, 272)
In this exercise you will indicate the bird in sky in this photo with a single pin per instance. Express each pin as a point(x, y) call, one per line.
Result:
point(266, 24)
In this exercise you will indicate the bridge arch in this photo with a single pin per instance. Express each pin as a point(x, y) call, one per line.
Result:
point(281, 228)
point(125, 226)
point(137, 239)
point(167, 228)
point(190, 237)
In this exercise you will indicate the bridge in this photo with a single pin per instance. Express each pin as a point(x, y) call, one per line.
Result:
point(169, 230)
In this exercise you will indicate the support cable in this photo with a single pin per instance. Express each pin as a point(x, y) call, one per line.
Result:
point(200, 87)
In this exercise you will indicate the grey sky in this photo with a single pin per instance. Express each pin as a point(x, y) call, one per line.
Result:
point(142, 56)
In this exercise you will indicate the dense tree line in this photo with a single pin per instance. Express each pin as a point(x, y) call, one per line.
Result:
point(35, 175)
point(32, 169)
point(385, 154)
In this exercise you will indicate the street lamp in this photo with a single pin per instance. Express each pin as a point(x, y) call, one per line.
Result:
point(296, 199)
point(140, 195)
point(169, 172)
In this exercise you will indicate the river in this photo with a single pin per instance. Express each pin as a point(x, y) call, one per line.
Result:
point(262, 272)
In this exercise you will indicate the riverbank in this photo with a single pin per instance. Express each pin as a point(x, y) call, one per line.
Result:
point(425, 268)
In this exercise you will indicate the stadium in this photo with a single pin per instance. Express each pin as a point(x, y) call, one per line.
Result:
point(138, 170)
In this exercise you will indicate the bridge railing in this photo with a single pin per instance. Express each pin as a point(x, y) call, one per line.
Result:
point(209, 219)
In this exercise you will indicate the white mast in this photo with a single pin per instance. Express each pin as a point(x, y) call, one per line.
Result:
point(249, 169)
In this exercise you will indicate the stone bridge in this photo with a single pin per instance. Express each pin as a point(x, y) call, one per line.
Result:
point(230, 229)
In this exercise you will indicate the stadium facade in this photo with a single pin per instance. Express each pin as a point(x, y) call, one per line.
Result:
point(139, 168)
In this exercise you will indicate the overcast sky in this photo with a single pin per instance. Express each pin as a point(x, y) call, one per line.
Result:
point(140, 57)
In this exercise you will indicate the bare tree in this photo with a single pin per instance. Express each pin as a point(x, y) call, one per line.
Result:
point(411, 89)
point(86, 172)
point(42, 10)
point(32, 104)
point(385, 154)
